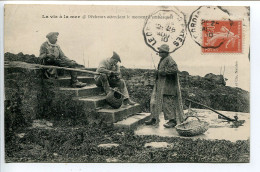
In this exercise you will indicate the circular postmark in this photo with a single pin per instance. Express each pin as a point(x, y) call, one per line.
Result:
point(212, 29)
point(165, 27)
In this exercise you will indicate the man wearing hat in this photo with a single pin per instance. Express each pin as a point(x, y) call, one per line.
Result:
point(51, 54)
point(110, 76)
point(166, 96)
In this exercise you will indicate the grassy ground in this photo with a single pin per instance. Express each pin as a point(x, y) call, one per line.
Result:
point(80, 144)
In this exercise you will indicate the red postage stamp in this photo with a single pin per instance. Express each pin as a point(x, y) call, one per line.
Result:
point(219, 36)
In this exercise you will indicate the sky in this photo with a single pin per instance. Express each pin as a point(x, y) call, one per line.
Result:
point(87, 40)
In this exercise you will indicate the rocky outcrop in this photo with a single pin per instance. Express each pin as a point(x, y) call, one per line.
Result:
point(209, 90)
point(217, 79)
point(27, 97)
point(21, 57)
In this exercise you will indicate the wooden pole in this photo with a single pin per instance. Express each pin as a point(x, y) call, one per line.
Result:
point(66, 68)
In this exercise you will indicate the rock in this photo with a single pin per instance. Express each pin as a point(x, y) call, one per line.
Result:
point(174, 154)
point(158, 145)
point(42, 124)
point(49, 124)
point(20, 54)
point(108, 145)
point(112, 160)
point(196, 77)
point(218, 79)
point(55, 154)
point(120, 134)
point(21, 135)
point(185, 73)
point(192, 95)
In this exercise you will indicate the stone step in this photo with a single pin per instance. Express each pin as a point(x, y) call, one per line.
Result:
point(65, 81)
point(133, 121)
point(93, 102)
point(87, 91)
point(110, 115)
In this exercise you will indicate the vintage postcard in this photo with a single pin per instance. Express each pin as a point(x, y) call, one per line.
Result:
point(127, 84)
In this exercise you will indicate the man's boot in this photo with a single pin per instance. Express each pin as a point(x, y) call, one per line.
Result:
point(128, 101)
point(78, 84)
point(75, 82)
point(131, 102)
point(151, 121)
point(170, 124)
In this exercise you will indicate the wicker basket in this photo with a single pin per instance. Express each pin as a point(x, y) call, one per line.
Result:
point(192, 128)
point(114, 99)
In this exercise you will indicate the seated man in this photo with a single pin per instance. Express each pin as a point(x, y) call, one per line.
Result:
point(51, 54)
point(110, 77)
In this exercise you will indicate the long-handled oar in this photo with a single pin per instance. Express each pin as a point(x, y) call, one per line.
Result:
point(227, 118)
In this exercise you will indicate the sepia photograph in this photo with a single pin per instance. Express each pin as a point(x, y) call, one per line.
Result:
point(126, 84)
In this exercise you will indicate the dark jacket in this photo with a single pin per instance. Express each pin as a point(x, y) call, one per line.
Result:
point(169, 78)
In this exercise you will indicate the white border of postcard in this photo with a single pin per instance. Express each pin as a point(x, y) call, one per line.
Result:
point(254, 164)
